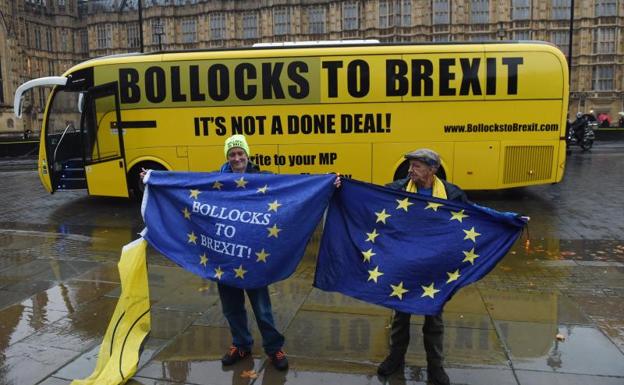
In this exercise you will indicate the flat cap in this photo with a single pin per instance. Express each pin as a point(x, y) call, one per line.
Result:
point(426, 156)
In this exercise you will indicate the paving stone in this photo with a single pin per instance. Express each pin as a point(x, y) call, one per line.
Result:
point(59, 285)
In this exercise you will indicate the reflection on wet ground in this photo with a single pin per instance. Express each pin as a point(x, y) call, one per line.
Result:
point(564, 278)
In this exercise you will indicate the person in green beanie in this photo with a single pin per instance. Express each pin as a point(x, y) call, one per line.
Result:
point(237, 154)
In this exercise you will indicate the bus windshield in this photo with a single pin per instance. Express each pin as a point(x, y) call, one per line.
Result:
point(62, 112)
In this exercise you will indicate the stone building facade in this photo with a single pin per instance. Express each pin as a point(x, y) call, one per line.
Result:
point(46, 37)
point(37, 38)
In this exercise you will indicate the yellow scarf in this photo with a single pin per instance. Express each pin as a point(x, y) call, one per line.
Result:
point(438, 188)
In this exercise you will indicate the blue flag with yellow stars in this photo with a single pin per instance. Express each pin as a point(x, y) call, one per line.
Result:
point(243, 230)
point(408, 252)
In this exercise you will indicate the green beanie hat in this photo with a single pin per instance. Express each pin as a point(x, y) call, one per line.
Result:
point(236, 141)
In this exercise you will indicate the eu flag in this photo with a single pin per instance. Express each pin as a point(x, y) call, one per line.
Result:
point(243, 230)
point(406, 251)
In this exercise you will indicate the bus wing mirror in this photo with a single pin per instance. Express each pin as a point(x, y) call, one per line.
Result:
point(40, 82)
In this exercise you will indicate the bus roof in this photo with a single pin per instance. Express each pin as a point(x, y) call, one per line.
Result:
point(301, 49)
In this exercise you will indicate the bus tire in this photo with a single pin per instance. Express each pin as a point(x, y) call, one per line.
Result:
point(401, 171)
point(134, 180)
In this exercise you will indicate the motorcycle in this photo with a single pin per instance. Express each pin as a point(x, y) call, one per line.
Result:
point(581, 132)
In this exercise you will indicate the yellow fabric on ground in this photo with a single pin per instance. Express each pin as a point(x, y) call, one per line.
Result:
point(119, 352)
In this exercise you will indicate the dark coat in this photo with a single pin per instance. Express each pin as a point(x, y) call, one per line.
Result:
point(453, 192)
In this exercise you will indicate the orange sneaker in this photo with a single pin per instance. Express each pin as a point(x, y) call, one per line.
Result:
point(234, 355)
point(279, 360)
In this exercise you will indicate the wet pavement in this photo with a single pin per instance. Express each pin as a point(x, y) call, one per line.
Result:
point(565, 276)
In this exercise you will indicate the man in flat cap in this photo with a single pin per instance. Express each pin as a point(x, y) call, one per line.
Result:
point(423, 165)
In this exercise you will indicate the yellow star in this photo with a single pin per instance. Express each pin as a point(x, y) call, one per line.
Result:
point(454, 276)
point(470, 256)
point(241, 182)
point(273, 206)
point(194, 194)
point(374, 274)
point(429, 291)
point(240, 272)
point(273, 231)
point(192, 238)
point(433, 206)
point(403, 204)
point(203, 259)
point(459, 215)
point(367, 255)
point(471, 234)
point(217, 185)
point(382, 216)
point(372, 236)
point(218, 272)
point(187, 214)
point(262, 256)
point(398, 291)
point(263, 189)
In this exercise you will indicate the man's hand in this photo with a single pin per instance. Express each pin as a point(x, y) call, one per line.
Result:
point(142, 174)
point(337, 181)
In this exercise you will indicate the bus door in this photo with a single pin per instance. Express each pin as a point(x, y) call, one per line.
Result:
point(102, 140)
point(60, 159)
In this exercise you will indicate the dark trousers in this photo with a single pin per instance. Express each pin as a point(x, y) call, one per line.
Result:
point(433, 337)
point(233, 305)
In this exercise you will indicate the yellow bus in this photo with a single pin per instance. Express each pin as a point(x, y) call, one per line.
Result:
point(496, 113)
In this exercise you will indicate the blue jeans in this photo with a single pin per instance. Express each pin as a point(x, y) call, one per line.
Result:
point(233, 305)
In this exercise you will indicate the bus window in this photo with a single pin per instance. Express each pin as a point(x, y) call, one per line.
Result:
point(101, 130)
point(63, 129)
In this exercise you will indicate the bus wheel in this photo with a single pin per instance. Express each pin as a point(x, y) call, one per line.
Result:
point(401, 171)
point(134, 179)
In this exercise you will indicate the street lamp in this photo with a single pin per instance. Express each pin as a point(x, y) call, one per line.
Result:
point(140, 9)
point(139, 3)
point(500, 33)
point(570, 39)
